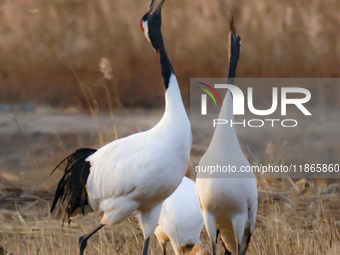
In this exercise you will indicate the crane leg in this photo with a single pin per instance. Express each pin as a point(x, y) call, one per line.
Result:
point(213, 244)
point(146, 245)
point(83, 239)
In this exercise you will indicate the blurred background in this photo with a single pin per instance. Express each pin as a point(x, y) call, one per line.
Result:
point(48, 47)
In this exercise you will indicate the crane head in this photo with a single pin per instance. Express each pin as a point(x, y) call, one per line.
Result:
point(234, 39)
point(151, 25)
point(234, 48)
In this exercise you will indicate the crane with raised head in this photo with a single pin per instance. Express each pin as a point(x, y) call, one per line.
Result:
point(228, 201)
point(134, 174)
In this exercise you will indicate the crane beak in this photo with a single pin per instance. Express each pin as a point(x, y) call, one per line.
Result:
point(158, 9)
point(151, 5)
point(232, 24)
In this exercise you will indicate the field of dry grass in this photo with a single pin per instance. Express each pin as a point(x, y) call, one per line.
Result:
point(43, 42)
point(299, 218)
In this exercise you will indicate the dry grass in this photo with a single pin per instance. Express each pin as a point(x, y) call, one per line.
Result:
point(31, 230)
point(299, 218)
point(302, 220)
point(293, 218)
point(42, 40)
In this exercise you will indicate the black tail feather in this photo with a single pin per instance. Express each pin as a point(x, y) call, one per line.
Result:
point(72, 186)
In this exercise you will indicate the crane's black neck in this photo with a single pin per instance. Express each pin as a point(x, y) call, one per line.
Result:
point(166, 66)
point(233, 60)
point(156, 38)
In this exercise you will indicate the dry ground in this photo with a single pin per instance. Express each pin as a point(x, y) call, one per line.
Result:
point(293, 218)
point(305, 220)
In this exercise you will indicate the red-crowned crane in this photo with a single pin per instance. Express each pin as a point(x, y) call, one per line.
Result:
point(181, 221)
point(229, 205)
point(137, 173)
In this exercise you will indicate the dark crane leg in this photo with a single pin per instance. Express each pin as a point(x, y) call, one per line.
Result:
point(146, 245)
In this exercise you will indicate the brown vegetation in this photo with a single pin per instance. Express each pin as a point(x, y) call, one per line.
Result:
point(46, 46)
point(301, 219)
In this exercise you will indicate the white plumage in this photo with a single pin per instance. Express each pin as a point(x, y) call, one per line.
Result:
point(181, 220)
point(137, 173)
point(229, 205)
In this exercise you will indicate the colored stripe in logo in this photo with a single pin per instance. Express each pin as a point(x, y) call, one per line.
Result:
point(208, 92)
point(212, 89)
